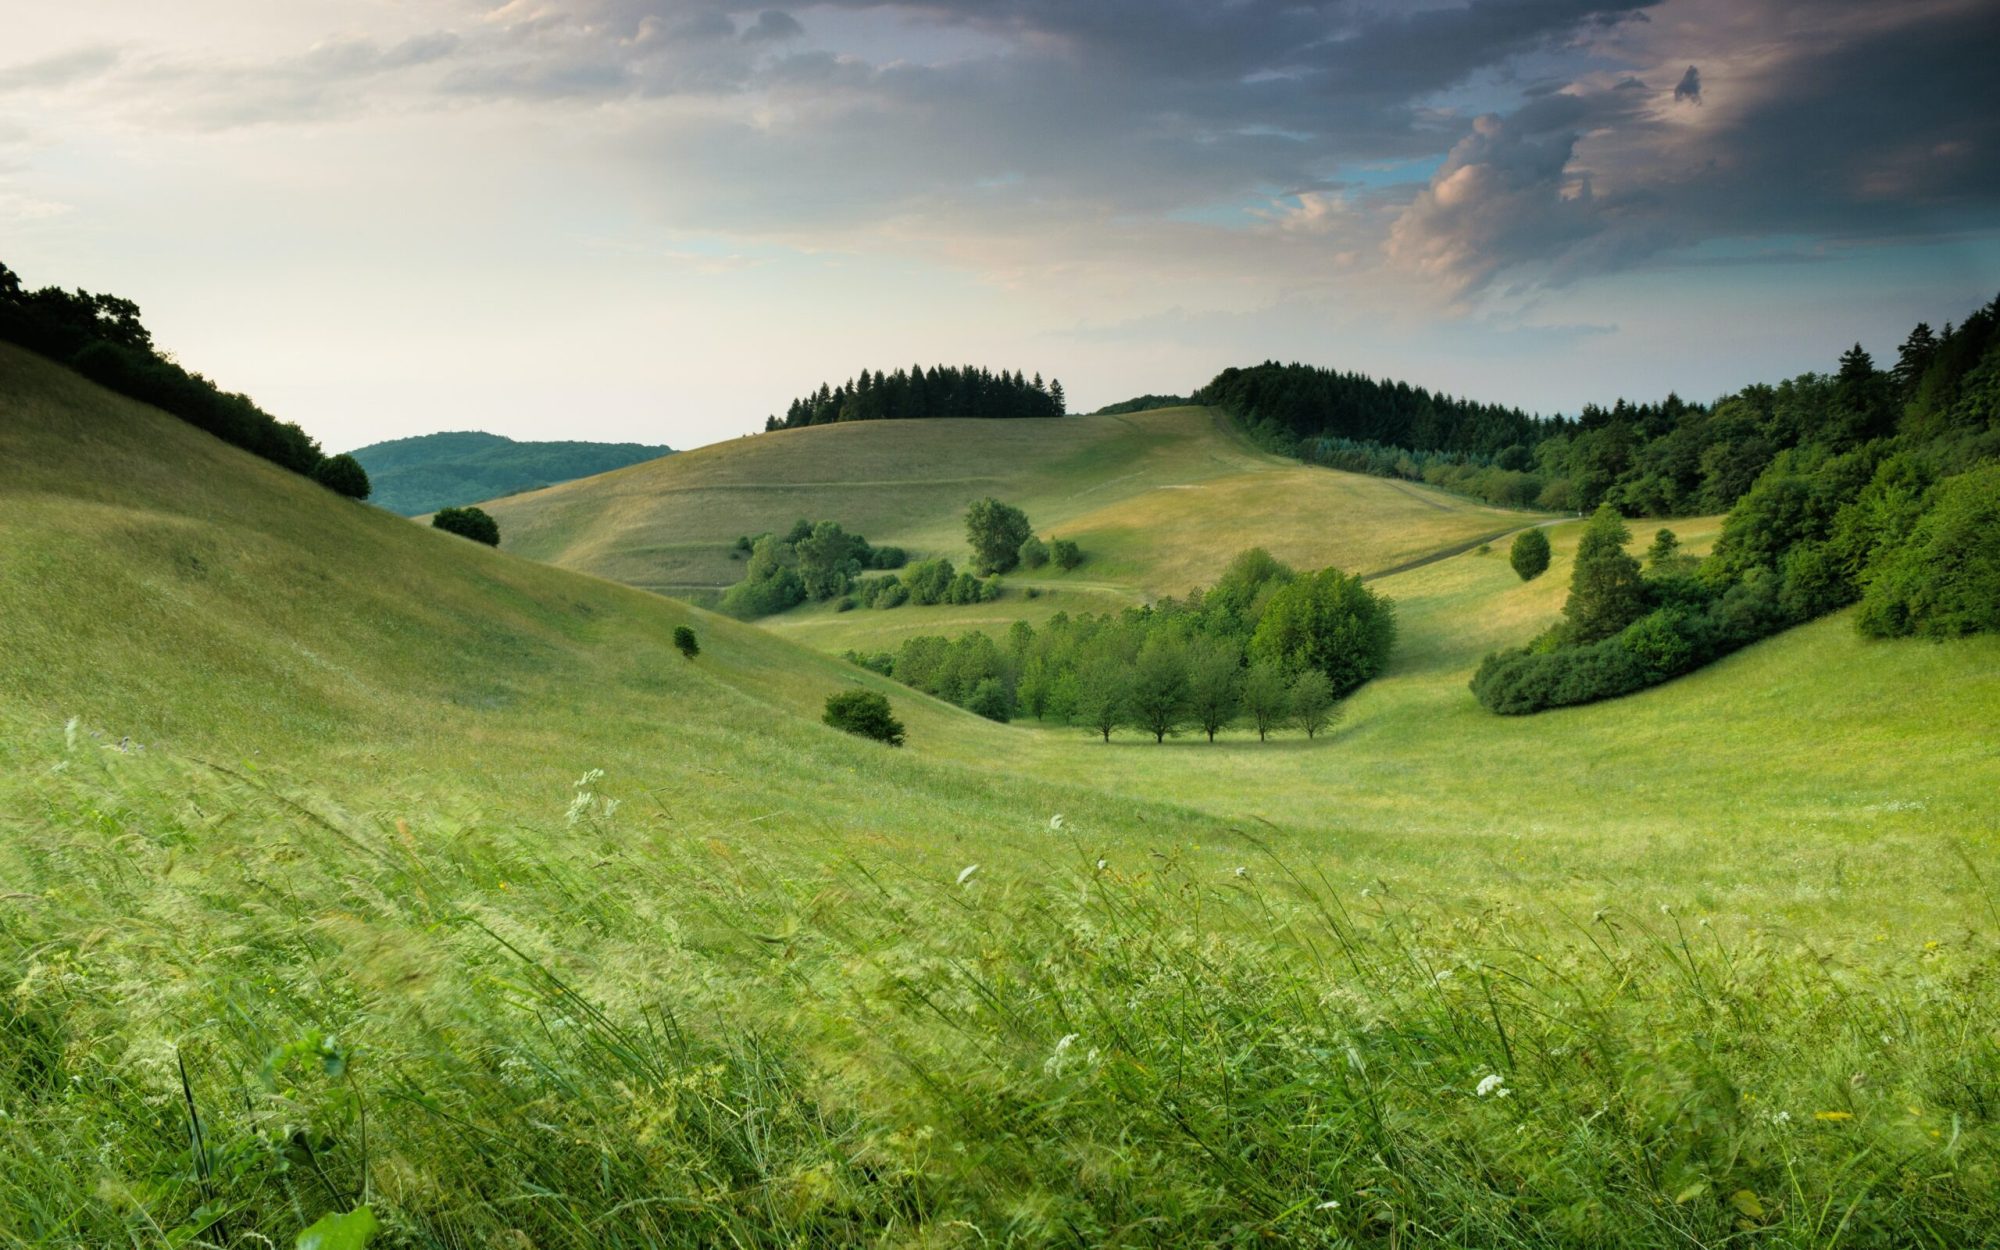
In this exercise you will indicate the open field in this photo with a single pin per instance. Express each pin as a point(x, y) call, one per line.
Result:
point(1157, 499)
point(1727, 945)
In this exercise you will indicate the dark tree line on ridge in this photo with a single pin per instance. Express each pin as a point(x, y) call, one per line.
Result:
point(1670, 458)
point(1266, 647)
point(1890, 500)
point(101, 337)
point(940, 391)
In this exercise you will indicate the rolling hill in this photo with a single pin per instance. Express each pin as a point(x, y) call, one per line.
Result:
point(414, 476)
point(452, 889)
point(1159, 501)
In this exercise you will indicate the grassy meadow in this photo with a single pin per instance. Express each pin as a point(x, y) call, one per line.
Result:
point(343, 862)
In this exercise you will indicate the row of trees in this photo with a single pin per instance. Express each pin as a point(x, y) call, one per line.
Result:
point(939, 391)
point(1266, 647)
point(1669, 458)
point(102, 337)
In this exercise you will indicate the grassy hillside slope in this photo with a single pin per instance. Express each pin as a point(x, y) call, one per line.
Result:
point(1158, 500)
point(419, 475)
point(326, 837)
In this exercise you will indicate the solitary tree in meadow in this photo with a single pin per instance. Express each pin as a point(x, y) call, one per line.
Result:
point(1530, 554)
point(684, 642)
point(995, 531)
point(1066, 554)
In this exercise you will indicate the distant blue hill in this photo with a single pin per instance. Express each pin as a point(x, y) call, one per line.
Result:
point(418, 475)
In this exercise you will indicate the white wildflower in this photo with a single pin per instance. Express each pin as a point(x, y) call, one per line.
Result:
point(1102, 864)
point(1056, 821)
point(965, 874)
point(1329, 1205)
point(1054, 1063)
point(1492, 1083)
point(1242, 871)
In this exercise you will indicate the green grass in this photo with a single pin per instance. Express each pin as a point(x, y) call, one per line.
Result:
point(326, 777)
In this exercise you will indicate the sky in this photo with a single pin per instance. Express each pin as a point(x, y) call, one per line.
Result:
point(660, 220)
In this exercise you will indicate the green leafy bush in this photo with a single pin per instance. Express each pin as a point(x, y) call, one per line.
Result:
point(685, 642)
point(1530, 554)
point(471, 523)
point(343, 475)
point(1034, 553)
point(1065, 553)
point(866, 713)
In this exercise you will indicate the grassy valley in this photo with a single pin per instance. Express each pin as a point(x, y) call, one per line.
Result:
point(457, 893)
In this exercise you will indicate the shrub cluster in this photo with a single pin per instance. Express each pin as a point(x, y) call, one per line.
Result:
point(1265, 647)
point(813, 561)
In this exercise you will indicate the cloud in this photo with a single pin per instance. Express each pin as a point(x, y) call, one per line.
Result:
point(62, 70)
point(773, 26)
point(1688, 89)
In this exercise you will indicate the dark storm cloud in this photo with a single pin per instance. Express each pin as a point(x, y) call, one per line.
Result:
point(965, 120)
point(1688, 89)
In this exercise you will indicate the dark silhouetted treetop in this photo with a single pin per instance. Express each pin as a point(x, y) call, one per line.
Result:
point(343, 475)
point(101, 337)
point(471, 523)
point(685, 642)
point(940, 391)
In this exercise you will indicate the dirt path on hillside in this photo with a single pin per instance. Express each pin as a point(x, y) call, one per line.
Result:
point(1457, 549)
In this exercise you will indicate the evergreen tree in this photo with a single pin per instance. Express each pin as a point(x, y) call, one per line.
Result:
point(685, 642)
point(1606, 592)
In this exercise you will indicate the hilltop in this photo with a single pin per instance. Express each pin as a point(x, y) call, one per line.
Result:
point(1159, 500)
point(414, 476)
point(329, 833)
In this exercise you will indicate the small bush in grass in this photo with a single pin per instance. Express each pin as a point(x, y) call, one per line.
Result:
point(1065, 553)
point(470, 523)
point(866, 713)
point(1034, 553)
point(1530, 554)
point(684, 642)
point(343, 475)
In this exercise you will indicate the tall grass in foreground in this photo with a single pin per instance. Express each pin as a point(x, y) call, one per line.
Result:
point(228, 1007)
